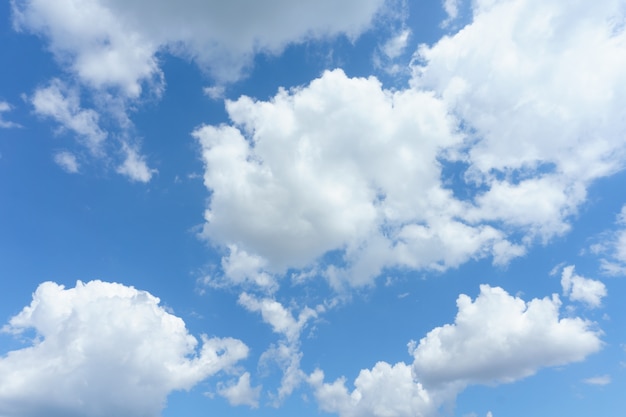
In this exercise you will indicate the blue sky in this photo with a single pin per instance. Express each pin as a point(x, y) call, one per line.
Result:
point(378, 208)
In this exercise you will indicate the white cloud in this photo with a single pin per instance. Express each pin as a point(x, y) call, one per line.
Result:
point(134, 165)
point(345, 165)
point(578, 288)
point(6, 107)
point(114, 42)
point(104, 349)
point(387, 54)
point(451, 8)
point(241, 393)
point(396, 46)
point(543, 123)
point(341, 164)
point(501, 338)
point(613, 247)
point(67, 161)
point(62, 104)
point(384, 391)
point(598, 380)
point(497, 338)
point(286, 354)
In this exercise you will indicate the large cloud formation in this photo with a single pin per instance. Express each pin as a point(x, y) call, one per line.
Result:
point(490, 149)
point(103, 349)
point(495, 338)
point(115, 42)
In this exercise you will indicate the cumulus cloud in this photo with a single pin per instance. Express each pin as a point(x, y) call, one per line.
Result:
point(500, 338)
point(241, 392)
point(543, 124)
point(114, 42)
point(578, 288)
point(383, 391)
point(67, 161)
point(496, 338)
point(340, 165)
point(103, 349)
point(345, 166)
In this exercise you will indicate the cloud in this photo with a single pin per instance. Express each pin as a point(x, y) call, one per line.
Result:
point(612, 247)
point(286, 353)
point(241, 393)
point(103, 349)
point(598, 380)
point(62, 104)
point(389, 52)
point(500, 338)
point(495, 339)
point(134, 165)
point(4, 124)
point(541, 124)
point(578, 288)
point(345, 166)
point(340, 165)
point(114, 43)
point(384, 391)
point(67, 161)
point(451, 8)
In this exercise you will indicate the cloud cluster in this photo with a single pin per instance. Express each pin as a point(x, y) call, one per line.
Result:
point(490, 149)
point(103, 349)
point(112, 47)
point(495, 338)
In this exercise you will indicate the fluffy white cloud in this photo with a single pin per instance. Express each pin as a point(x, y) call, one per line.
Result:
point(241, 393)
point(578, 288)
point(62, 104)
point(543, 122)
point(103, 349)
point(345, 166)
point(114, 42)
point(501, 338)
point(67, 161)
point(341, 164)
point(384, 391)
point(496, 338)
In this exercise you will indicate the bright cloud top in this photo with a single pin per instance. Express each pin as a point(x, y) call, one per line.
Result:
point(495, 338)
point(104, 349)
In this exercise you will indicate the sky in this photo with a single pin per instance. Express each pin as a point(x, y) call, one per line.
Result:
point(372, 208)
